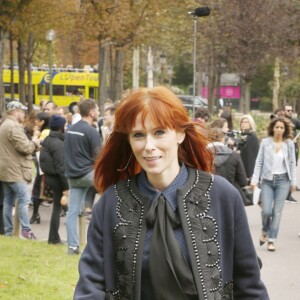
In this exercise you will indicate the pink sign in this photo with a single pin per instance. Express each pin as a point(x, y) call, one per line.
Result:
point(226, 92)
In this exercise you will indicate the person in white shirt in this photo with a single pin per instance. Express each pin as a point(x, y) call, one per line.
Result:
point(275, 166)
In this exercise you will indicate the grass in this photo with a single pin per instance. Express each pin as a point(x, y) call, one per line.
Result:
point(35, 270)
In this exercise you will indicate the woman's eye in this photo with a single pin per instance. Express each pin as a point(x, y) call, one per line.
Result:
point(137, 134)
point(160, 132)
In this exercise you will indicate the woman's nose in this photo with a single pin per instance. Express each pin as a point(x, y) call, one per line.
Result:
point(150, 145)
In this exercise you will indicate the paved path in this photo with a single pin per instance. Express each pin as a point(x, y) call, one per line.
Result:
point(281, 269)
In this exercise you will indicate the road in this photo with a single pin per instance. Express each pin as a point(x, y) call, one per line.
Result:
point(281, 269)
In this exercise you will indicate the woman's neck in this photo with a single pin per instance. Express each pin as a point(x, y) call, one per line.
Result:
point(277, 139)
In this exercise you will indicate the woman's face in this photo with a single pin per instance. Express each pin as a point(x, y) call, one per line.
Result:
point(245, 124)
point(225, 127)
point(39, 123)
point(279, 129)
point(156, 149)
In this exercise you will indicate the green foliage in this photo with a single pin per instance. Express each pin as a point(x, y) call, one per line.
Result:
point(183, 74)
point(261, 122)
point(292, 89)
point(265, 104)
point(36, 270)
point(260, 86)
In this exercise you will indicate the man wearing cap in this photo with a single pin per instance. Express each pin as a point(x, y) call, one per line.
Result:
point(16, 167)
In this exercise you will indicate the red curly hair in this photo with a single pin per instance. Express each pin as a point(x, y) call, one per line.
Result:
point(166, 111)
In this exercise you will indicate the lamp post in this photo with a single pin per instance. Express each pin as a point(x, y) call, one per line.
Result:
point(50, 37)
point(198, 12)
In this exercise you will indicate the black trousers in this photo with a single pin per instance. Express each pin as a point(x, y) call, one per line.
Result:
point(55, 184)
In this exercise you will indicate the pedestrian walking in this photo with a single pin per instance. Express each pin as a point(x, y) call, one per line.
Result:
point(276, 168)
point(165, 228)
point(82, 144)
point(16, 167)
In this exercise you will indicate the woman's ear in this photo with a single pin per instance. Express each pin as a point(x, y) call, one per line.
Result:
point(180, 137)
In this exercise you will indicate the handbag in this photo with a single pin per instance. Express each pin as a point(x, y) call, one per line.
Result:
point(248, 196)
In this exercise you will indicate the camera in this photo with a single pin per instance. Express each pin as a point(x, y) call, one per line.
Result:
point(236, 139)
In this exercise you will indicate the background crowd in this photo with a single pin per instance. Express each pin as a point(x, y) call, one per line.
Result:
point(52, 138)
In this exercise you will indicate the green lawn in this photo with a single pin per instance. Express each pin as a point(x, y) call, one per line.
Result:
point(35, 270)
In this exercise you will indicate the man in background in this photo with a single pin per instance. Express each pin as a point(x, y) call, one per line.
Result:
point(50, 108)
point(82, 144)
point(109, 121)
point(16, 168)
point(288, 112)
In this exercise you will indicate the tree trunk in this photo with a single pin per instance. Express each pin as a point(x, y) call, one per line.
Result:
point(150, 83)
point(135, 68)
point(2, 42)
point(22, 88)
point(276, 84)
point(29, 74)
point(110, 71)
point(11, 57)
point(247, 97)
point(211, 84)
point(242, 99)
point(103, 63)
point(118, 78)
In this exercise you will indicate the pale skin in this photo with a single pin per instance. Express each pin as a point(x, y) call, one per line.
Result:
point(92, 116)
point(245, 125)
point(278, 130)
point(156, 150)
point(288, 111)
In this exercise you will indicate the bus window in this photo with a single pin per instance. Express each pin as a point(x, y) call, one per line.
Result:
point(58, 90)
point(7, 89)
point(41, 89)
point(72, 90)
point(92, 92)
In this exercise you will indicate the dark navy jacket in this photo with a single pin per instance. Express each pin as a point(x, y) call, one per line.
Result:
point(214, 224)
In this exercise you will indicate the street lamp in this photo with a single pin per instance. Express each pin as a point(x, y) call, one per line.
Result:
point(198, 12)
point(50, 37)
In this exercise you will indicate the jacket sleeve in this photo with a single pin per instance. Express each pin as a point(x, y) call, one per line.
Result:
point(240, 175)
point(91, 283)
point(246, 271)
point(258, 163)
point(20, 141)
point(57, 154)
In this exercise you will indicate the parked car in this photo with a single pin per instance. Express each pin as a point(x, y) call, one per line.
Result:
point(199, 102)
point(188, 101)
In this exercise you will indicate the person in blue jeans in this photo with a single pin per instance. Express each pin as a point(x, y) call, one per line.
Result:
point(16, 168)
point(82, 144)
point(276, 167)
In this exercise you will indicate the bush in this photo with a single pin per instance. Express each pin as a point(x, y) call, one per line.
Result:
point(265, 104)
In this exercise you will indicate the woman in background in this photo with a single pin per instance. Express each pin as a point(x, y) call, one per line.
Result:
point(52, 164)
point(227, 162)
point(227, 115)
point(276, 168)
point(250, 144)
point(41, 132)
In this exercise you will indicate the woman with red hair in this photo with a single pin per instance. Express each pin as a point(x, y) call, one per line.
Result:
point(165, 227)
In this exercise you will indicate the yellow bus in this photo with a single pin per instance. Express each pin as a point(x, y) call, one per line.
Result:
point(67, 85)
